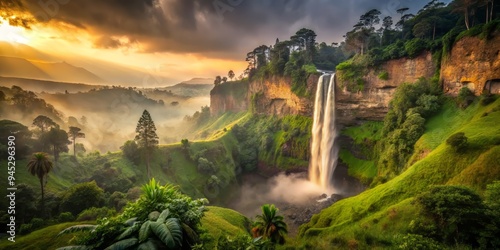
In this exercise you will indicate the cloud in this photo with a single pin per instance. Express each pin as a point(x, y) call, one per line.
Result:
point(212, 28)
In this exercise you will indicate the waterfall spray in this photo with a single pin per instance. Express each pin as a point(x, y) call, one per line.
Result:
point(324, 154)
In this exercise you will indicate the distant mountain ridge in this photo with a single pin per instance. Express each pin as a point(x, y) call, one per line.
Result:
point(58, 71)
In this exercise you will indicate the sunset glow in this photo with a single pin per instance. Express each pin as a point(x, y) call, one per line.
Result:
point(12, 34)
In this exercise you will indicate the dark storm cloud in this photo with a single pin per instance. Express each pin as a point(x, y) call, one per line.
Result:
point(214, 28)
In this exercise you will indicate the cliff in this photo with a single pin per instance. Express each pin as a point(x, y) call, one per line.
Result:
point(229, 97)
point(274, 96)
point(372, 102)
point(473, 63)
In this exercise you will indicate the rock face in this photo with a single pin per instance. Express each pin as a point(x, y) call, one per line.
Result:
point(274, 96)
point(372, 103)
point(473, 63)
point(229, 97)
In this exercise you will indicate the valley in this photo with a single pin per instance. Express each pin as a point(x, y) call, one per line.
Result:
point(389, 139)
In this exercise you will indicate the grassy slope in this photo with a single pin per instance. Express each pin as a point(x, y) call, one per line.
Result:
point(376, 216)
point(217, 221)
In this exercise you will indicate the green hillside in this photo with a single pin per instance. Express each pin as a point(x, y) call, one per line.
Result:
point(380, 216)
point(217, 221)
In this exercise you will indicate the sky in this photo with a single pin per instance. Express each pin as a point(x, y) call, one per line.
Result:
point(179, 39)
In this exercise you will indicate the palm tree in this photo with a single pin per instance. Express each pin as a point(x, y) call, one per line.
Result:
point(269, 225)
point(40, 165)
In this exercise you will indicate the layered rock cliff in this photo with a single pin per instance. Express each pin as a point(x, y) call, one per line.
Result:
point(274, 96)
point(372, 103)
point(473, 63)
point(229, 97)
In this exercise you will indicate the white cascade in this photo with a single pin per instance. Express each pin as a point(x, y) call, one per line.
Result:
point(324, 154)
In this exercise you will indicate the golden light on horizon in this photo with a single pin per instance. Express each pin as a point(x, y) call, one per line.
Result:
point(12, 34)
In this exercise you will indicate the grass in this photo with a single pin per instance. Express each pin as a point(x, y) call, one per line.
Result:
point(378, 216)
point(367, 131)
point(42, 239)
point(363, 170)
point(217, 221)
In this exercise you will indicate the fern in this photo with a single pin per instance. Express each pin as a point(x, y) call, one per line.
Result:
point(77, 228)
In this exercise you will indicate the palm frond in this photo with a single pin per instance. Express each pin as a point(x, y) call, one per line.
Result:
point(77, 228)
point(123, 244)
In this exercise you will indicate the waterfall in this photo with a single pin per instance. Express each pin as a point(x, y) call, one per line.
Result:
point(323, 153)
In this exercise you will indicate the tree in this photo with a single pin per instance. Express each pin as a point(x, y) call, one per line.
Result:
point(146, 137)
point(82, 196)
point(185, 144)
point(224, 79)
point(44, 123)
point(457, 141)
point(230, 74)
point(58, 141)
point(74, 133)
point(306, 38)
point(466, 7)
point(217, 80)
point(40, 165)
point(269, 225)
point(131, 151)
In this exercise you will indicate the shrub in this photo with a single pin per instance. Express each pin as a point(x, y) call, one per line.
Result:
point(457, 141)
point(131, 151)
point(383, 76)
point(94, 213)
point(25, 229)
point(65, 217)
point(465, 97)
point(457, 211)
point(415, 241)
point(82, 196)
point(487, 99)
point(205, 166)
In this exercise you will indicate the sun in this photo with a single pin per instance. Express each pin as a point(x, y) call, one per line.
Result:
point(12, 34)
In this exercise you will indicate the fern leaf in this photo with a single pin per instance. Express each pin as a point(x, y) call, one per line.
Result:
point(77, 228)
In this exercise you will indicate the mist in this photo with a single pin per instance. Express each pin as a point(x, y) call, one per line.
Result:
point(280, 190)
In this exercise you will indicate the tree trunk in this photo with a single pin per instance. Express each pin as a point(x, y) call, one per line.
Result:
point(74, 147)
point(434, 32)
point(487, 11)
point(147, 164)
point(43, 201)
point(467, 19)
point(491, 10)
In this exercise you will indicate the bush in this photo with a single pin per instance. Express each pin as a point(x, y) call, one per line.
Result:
point(82, 196)
point(205, 166)
point(415, 241)
point(457, 141)
point(94, 213)
point(487, 99)
point(465, 97)
point(65, 217)
point(458, 212)
point(25, 229)
point(131, 151)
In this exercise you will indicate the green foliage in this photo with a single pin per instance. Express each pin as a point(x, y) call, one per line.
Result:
point(351, 72)
point(270, 225)
point(244, 242)
point(414, 47)
point(487, 99)
point(457, 141)
point(206, 167)
point(405, 123)
point(418, 242)
point(131, 151)
point(65, 217)
point(458, 212)
point(299, 71)
point(82, 196)
point(94, 213)
point(383, 76)
point(465, 97)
